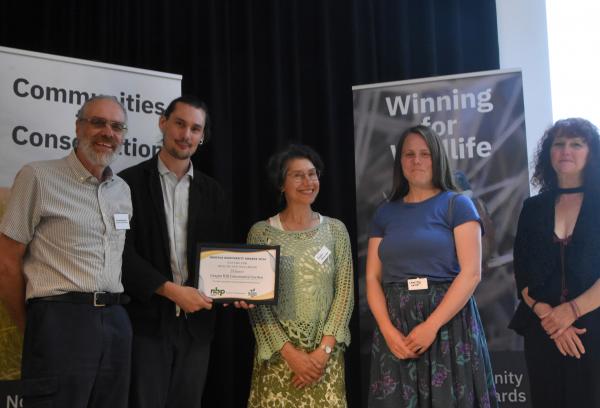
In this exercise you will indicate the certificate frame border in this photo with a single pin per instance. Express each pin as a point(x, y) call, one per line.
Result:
point(215, 245)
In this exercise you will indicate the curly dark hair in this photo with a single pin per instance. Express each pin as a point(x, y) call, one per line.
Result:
point(544, 175)
point(278, 164)
point(440, 165)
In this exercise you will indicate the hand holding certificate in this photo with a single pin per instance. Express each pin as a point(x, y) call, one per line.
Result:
point(228, 273)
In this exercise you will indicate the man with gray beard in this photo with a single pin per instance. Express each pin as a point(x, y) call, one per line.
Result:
point(61, 242)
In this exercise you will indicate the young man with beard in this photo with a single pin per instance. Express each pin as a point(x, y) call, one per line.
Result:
point(61, 241)
point(175, 207)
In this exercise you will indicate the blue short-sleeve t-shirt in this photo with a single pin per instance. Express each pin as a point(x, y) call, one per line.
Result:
point(418, 237)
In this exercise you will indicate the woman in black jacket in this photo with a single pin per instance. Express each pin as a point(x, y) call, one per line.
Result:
point(557, 269)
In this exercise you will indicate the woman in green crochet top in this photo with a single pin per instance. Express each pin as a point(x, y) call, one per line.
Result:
point(300, 342)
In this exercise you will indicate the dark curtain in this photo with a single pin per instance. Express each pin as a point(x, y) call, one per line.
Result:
point(395, 40)
point(272, 72)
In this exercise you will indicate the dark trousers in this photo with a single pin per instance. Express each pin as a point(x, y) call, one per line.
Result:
point(564, 382)
point(76, 356)
point(168, 369)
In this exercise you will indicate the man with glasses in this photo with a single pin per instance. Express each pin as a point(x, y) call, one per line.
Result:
point(175, 207)
point(61, 242)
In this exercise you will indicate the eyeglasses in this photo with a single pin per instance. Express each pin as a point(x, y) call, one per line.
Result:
point(298, 176)
point(100, 123)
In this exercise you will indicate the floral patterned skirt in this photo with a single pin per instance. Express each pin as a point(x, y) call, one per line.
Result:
point(454, 372)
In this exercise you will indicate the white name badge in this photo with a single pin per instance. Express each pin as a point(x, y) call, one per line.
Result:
point(122, 221)
point(417, 284)
point(322, 255)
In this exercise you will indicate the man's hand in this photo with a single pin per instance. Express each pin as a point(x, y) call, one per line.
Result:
point(189, 299)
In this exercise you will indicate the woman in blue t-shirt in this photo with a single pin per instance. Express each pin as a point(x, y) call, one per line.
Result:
point(423, 264)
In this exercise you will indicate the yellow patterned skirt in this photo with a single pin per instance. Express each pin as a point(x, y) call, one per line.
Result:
point(272, 385)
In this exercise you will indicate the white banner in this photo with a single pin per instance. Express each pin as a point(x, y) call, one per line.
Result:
point(41, 93)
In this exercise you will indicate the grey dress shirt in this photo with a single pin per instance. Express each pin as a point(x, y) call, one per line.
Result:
point(176, 202)
point(66, 217)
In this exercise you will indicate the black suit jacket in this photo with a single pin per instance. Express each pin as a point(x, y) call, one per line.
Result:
point(537, 259)
point(146, 257)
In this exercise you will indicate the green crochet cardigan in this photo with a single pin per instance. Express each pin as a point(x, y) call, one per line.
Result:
point(315, 299)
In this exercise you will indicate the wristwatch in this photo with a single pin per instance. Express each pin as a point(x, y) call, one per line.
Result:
point(326, 348)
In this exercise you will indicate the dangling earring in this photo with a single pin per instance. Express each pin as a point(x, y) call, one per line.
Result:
point(201, 142)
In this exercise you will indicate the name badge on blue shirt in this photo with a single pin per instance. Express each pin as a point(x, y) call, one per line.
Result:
point(417, 284)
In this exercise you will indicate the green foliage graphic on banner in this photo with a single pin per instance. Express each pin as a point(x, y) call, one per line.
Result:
point(11, 342)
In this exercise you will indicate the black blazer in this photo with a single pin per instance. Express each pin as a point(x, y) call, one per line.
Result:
point(537, 259)
point(146, 257)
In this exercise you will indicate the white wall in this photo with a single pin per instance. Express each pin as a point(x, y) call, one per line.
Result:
point(523, 42)
point(573, 43)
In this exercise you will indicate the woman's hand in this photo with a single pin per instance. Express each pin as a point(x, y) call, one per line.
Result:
point(569, 343)
point(306, 369)
point(377, 302)
point(396, 342)
point(542, 309)
point(299, 383)
point(240, 304)
point(558, 320)
point(421, 337)
point(320, 358)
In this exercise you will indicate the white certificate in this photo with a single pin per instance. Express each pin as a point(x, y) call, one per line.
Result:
point(238, 272)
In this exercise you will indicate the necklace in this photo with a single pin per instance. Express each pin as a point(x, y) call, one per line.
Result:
point(571, 190)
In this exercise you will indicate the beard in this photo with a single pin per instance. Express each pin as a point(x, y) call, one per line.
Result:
point(177, 154)
point(85, 145)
